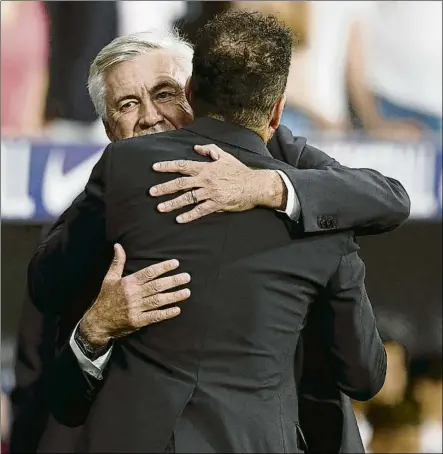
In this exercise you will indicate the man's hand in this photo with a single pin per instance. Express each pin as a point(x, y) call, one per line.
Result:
point(127, 304)
point(223, 185)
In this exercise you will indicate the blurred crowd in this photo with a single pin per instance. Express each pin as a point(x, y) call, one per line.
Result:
point(373, 66)
point(358, 67)
point(406, 415)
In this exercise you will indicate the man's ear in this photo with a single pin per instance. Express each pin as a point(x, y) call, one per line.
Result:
point(277, 112)
point(108, 130)
point(188, 93)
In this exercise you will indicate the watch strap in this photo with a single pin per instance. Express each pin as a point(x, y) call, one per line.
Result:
point(91, 352)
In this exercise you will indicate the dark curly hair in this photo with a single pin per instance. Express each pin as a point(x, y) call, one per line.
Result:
point(240, 67)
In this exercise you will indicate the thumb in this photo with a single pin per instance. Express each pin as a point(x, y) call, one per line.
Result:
point(211, 151)
point(118, 262)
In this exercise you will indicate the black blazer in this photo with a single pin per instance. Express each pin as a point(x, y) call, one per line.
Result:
point(222, 373)
point(362, 199)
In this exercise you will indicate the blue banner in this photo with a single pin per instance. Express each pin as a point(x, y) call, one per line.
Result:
point(40, 180)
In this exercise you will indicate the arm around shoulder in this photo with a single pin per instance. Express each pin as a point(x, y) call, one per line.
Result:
point(361, 199)
point(74, 249)
point(353, 198)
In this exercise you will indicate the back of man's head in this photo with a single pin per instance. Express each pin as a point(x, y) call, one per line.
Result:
point(240, 68)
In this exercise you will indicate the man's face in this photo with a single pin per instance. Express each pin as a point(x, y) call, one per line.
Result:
point(145, 96)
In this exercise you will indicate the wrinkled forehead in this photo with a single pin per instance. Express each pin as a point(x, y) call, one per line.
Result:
point(144, 71)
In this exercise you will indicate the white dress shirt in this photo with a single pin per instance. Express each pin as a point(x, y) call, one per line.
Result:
point(96, 368)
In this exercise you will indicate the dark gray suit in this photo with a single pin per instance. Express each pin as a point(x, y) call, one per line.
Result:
point(221, 374)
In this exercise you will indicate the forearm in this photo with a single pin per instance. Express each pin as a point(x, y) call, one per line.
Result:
point(269, 189)
point(75, 251)
point(358, 199)
point(360, 372)
point(72, 390)
point(66, 260)
point(356, 351)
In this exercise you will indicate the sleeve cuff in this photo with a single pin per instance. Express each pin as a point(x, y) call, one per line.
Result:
point(293, 207)
point(94, 368)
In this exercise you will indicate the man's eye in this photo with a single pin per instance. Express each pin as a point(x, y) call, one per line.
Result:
point(128, 105)
point(164, 95)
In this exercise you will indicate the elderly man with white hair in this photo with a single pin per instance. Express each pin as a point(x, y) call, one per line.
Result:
point(137, 84)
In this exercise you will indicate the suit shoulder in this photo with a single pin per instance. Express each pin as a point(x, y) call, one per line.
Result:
point(285, 146)
point(170, 145)
point(149, 140)
point(285, 136)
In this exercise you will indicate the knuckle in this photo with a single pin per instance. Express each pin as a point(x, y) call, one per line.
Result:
point(155, 300)
point(169, 313)
point(205, 211)
point(150, 272)
point(177, 280)
point(156, 286)
point(166, 206)
point(175, 203)
point(181, 163)
point(170, 265)
point(176, 296)
point(167, 266)
point(186, 217)
point(183, 294)
point(198, 210)
point(179, 295)
point(133, 319)
point(126, 288)
point(181, 182)
point(156, 317)
point(205, 193)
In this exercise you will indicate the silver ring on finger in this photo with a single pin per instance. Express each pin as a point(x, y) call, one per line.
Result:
point(194, 197)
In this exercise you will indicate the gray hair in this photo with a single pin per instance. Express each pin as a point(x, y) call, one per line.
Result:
point(125, 48)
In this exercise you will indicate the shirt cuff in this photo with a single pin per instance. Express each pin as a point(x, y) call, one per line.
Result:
point(293, 206)
point(94, 368)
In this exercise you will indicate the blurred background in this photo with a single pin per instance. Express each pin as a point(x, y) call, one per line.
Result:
point(365, 87)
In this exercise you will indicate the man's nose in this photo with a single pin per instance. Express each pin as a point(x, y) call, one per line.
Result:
point(150, 115)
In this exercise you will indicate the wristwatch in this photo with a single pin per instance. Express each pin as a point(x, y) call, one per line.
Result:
point(91, 352)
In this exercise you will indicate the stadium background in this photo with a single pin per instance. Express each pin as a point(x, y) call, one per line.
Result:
point(349, 53)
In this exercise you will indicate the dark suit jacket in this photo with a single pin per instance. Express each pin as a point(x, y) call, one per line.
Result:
point(222, 372)
point(361, 199)
point(326, 415)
